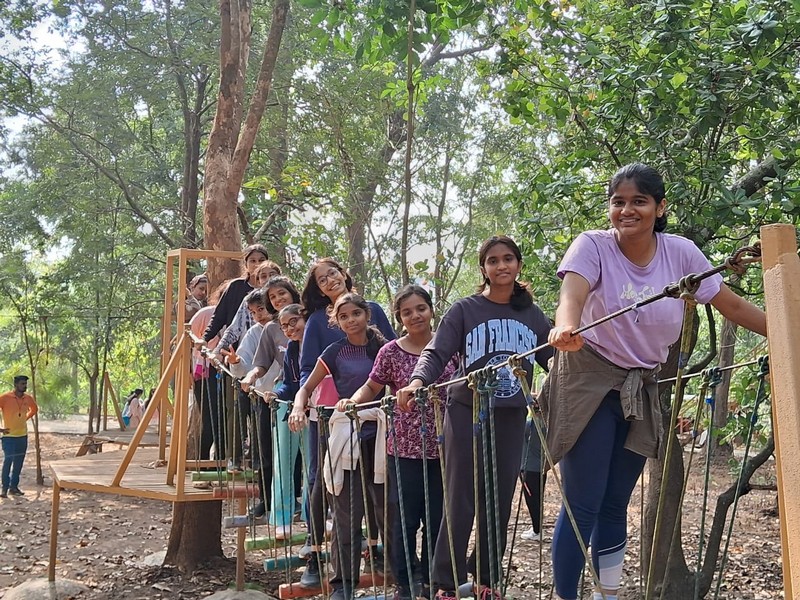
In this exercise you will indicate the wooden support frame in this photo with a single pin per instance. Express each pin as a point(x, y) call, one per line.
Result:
point(109, 392)
point(781, 272)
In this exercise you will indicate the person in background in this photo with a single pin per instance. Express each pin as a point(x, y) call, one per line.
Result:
point(16, 408)
point(223, 316)
point(197, 295)
point(533, 475)
point(134, 409)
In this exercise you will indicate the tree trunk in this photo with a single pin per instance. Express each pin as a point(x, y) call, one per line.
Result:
point(93, 403)
point(727, 347)
point(196, 531)
point(195, 535)
point(230, 143)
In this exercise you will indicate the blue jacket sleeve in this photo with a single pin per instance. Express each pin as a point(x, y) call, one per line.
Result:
point(313, 345)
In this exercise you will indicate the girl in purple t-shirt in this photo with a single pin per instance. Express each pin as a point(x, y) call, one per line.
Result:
point(394, 365)
point(602, 272)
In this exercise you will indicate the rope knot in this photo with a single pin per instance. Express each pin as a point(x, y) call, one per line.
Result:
point(421, 397)
point(687, 288)
point(763, 365)
point(738, 261)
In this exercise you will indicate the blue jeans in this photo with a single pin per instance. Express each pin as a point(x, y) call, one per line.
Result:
point(14, 449)
point(599, 475)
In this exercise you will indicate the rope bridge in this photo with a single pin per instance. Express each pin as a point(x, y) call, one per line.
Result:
point(483, 383)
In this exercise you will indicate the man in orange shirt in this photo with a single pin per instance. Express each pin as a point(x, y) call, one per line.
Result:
point(16, 407)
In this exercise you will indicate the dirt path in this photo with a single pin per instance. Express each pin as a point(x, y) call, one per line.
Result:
point(104, 539)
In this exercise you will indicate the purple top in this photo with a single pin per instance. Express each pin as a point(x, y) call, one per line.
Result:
point(641, 337)
point(393, 367)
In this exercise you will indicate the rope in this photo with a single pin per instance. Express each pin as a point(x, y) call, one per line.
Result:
point(364, 493)
point(473, 384)
point(676, 529)
point(400, 500)
point(491, 385)
point(736, 262)
point(483, 396)
point(515, 362)
point(423, 432)
point(713, 378)
point(687, 294)
point(760, 395)
point(433, 394)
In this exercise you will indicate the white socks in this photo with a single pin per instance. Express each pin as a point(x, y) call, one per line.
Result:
point(599, 596)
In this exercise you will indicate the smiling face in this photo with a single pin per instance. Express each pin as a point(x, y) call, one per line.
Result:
point(415, 315)
point(330, 280)
point(633, 213)
point(279, 296)
point(352, 319)
point(501, 265)
point(293, 326)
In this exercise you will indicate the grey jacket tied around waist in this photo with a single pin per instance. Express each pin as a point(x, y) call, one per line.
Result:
point(574, 389)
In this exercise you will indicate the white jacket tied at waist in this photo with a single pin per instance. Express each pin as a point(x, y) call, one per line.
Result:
point(339, 458)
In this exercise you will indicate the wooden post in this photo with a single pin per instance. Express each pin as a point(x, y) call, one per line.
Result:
point(104, 395)
point(115, 402)
point(51, 566)
point(781, 268)
point(240, 554)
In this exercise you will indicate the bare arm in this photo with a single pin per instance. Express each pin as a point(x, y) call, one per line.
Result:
point(735, 308)
point(365, 393)
point(574, 291)
point(297, 419)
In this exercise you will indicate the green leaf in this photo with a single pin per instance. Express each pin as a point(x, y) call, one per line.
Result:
point(678, 80)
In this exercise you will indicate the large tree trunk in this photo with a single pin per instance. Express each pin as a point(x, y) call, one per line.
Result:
point(231, 140)
point(195, 536)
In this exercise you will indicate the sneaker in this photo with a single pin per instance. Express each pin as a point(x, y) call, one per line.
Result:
point(305, 549)
point(340, 594)
point(202, 485)
point(4, 493)
point(530, 535)
point(377, 560)
point(440, 595)
point(310, 577)
point(16, 492)
point(283, 532)
point(234, 466)
point(259, 510)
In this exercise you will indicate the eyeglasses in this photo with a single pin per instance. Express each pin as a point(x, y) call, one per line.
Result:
point(290, 323)
point(332, 272)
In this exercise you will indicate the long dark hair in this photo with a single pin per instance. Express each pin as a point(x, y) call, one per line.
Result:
point(648, 181)
point(375, 338)
point(312, 297)
point(521, 297)
point(280, 281)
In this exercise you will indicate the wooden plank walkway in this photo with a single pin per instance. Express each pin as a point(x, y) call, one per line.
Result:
point(94, 443)
point(95, 473)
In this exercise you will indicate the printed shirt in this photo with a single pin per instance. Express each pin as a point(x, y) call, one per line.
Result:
point(640, 338)
point(484, 333)
point(350, 366)
point(393, 367)
point(16, 412)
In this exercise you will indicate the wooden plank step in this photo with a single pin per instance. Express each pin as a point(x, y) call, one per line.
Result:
point(268, 543)
point(214, 476)
point(242, 521)
point(242, 490)
point(295, 590)
point(283, 563)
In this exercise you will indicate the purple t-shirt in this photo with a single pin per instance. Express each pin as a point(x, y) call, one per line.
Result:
point(641, 337)
point(393, 367)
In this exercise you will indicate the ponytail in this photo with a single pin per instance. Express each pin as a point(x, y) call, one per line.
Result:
point(375, 341)
point(521, 297)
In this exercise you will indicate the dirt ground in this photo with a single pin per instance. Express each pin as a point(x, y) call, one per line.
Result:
point(104, 539)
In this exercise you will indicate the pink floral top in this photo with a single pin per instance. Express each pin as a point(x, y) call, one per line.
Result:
point(393, 367)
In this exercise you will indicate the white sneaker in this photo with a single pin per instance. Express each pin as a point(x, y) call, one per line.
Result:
point(282, 532)
point(530, 535)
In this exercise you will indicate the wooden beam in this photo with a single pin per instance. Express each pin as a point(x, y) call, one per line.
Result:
point(161, 388)
point(56, 506)
point(114, 397)
point(781, 271)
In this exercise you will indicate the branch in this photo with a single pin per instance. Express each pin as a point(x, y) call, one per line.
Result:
point(464, 52)
point(760, 175)
point(724, 502)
